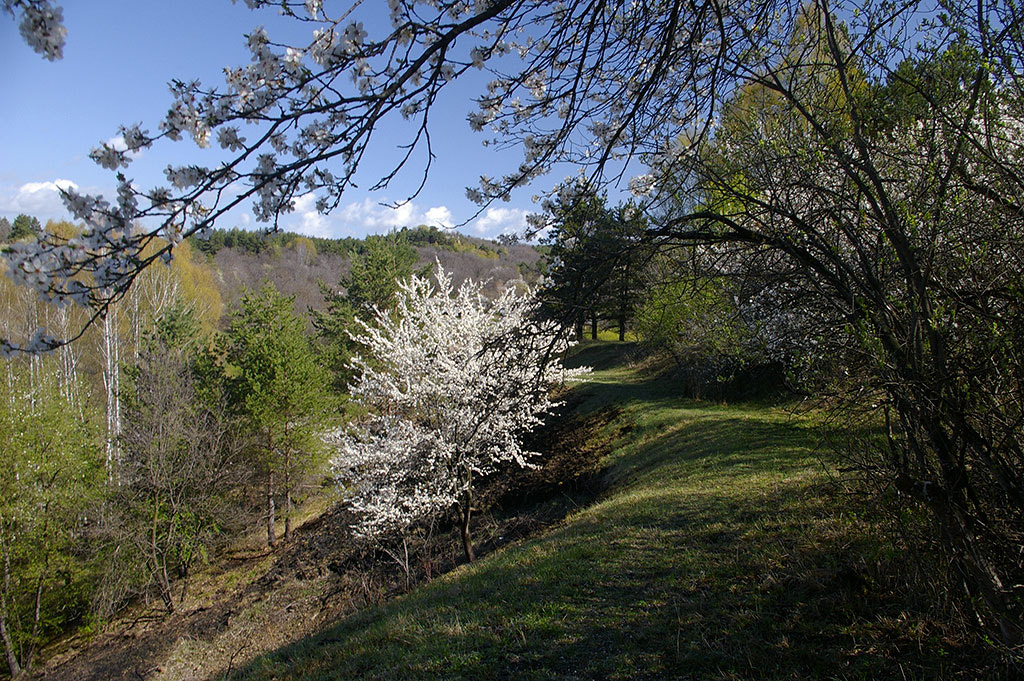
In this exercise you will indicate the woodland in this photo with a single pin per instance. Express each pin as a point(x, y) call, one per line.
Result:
point(760, 417)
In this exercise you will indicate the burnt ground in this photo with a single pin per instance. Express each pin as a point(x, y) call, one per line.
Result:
point(253, 600)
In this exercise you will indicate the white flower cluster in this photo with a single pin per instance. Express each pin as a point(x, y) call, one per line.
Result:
point(228, 138)
point(42, 26)
point(185, 176)
point(642, 185)
point(108, 157)
point(452, 381)
point(330, 48)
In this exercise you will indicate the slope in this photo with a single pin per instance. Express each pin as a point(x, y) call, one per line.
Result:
point(719, 550)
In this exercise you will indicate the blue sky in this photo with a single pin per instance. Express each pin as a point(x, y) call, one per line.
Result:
point(118, 59)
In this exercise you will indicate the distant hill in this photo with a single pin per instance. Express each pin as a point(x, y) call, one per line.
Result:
point(295, 263)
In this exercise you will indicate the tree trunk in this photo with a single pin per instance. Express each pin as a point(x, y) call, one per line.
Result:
point(287, 516)
point(37, 619)
point(271, 518)
point(579, 328)
point(5, 634)
point(159, 559)
point(112, 387)
point(467, 538)
point(593, 326)
point(12, 657)
point(287, 493)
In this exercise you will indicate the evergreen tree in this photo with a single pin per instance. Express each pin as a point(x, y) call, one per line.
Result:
point(595, 256)
point(25, 227)
point(277, 387)
point(371, 284)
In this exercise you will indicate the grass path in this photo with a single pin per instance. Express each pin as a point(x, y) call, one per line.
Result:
point(716, 553)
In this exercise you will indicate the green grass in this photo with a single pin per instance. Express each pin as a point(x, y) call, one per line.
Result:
point(717, 552)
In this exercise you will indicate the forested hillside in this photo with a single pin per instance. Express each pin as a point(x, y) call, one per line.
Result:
point(752, 406)
point(192, 412)
point(296, 264)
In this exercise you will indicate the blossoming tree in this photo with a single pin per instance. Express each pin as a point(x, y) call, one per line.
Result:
point(451, 381)
point(869, 151)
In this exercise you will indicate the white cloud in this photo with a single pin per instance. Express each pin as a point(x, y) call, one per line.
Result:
point(117, 142)
point(439, 216)
point(311, 223)
point(40, 199)
point(360, 218)
point(495, 221)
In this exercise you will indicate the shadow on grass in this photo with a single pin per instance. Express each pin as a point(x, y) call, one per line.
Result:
point(693, 599)
point(600, 355)
point(715, 557)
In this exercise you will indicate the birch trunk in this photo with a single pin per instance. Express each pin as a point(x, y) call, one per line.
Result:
point(112, 386)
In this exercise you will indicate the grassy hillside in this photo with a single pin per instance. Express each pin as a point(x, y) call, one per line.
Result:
point(719, 550)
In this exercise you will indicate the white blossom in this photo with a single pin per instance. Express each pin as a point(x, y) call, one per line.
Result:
point(451, 382)
point(478, 57)
point(184, 176)
point(641, 185)
point(134, 137)
point(42, 26)
point(228, 138)
point(293, 61)
point(108, 157)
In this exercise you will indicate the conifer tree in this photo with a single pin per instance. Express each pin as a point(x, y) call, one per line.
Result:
point(278, 389)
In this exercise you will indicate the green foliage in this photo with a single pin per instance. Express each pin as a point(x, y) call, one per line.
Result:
point(429, 236)
point(178, 328)
point(242, 239)
point(278, 381)
point(919, 86)
point(693, 321)
point(50, 488)
point(595, 255)
point(25, 227)
point(432, 237)
point(697, 323)
point(277, 387)
point(375, 268)
point(256, 242)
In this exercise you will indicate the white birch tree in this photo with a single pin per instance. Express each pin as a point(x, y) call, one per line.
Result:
point(451, 381)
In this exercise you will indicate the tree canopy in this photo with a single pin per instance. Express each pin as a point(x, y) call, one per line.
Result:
point(276, 387)
point(862, 157)
point(648, 83)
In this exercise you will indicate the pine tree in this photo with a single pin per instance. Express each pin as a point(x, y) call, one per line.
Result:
point(278, 388)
